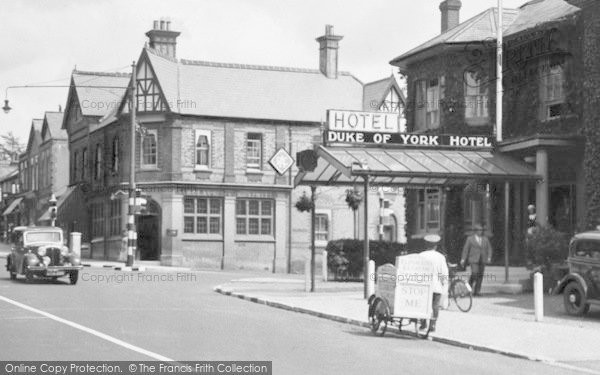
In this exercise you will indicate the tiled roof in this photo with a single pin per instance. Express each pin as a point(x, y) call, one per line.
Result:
point(478, 28)
point(483, 26)
point(251, 91)
point(537, 12)
point(375, 92)
point(54, 122)
point(98, 101)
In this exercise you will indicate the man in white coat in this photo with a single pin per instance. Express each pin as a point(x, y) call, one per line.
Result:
point(440, 280)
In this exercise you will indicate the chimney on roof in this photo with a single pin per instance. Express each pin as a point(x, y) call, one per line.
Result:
point(328, 52)
point(450, 14)
point(162, 39)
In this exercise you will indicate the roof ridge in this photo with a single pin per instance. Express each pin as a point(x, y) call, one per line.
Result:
point(254, 66)
point(104, 74)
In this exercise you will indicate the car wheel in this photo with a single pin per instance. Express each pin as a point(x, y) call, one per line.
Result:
point(73, 276)
point(29, 276)
point(575, 299)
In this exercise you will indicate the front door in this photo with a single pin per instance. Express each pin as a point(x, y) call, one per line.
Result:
point(148, 231)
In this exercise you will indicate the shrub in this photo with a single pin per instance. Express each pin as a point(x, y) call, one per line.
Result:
point(381, 252)
point(546, 246)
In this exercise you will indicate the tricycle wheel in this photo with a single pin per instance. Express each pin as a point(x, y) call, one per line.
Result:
point(422, 333)
point(380, 316)
point(575, 299)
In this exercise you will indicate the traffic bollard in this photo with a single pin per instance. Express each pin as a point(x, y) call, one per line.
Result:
point(538, 295)
point(324, 265)
point(75, 243)
point(371, 278)
point(307, 275)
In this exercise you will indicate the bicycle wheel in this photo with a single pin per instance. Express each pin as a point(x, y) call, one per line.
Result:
point(461, 293)
point(379, 317)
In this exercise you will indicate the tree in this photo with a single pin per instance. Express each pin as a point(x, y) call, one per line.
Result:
point(10, 146)
point(354, 199)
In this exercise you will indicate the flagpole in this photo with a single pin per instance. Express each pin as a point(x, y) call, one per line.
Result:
point(499, 74)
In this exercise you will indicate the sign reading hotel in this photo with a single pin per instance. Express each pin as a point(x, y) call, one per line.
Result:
point(352, 127)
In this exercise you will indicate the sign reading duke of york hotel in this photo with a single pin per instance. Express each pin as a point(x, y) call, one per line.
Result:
point(353, 127)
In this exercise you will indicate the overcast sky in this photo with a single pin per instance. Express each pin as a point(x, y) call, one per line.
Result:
point(42, 41)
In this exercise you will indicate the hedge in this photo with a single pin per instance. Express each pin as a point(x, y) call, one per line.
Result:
point(381, 252)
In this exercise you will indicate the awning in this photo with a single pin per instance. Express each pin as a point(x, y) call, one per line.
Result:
point(11, 207)
point(412, 166)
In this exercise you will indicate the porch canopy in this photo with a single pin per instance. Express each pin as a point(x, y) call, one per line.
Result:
point(346, 165)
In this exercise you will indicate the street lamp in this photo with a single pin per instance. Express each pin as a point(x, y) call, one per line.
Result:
point(6, 107)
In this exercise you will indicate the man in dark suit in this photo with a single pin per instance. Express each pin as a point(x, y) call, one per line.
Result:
point(478, 252)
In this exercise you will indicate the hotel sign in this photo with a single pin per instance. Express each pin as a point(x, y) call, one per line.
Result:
point(407, 139)
point(368, 122)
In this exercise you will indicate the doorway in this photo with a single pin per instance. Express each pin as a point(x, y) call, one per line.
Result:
point(148, 229)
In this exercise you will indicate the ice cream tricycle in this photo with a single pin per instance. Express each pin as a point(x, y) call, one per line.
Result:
point(403, 295)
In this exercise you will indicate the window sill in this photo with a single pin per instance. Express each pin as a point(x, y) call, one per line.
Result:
point(202, 168)
point(149, 168)
point(191, 237)
point(97, 239)
point(254, 238)
point(254, 171)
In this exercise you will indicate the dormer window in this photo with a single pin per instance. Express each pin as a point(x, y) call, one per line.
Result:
point(427, 104)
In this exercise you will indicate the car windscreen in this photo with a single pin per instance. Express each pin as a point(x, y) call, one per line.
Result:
point(42, 237)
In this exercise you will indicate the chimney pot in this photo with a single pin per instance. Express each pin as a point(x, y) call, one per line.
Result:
point(155, 25)
point(163, 39)
point(168, 23)
point(162, 24)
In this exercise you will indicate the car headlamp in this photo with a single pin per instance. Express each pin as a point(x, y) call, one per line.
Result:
point(41, 251)
point(46, 260)
point(64, 251)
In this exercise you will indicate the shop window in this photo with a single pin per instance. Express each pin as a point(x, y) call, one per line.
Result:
point(552, 94)
point(428, 95)
point(321, 227)
point(428, 210)
point(115, 218)
point(202, 215)
point(202, 148)
point(254, 151)
point(97, 220)
point(149, 149)
point(476, 97)
point(474, 211)
point(254, 216)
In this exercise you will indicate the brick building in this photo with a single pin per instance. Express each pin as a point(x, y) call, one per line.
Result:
point(205, 137)
point(549, 119)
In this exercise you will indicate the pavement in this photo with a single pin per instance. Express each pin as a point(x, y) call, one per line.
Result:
point(498, 323)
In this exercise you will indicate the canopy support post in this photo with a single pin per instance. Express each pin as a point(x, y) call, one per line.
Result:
point(312, 238)
point(506, 228)
point(366, 240)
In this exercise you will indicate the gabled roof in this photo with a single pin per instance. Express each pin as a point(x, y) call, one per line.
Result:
point(98, 101)
point(476, 29)
point(376, 92)
point(52, 126)
point(250, 91)
point(484, 26)
point(35, 133)
point(536, 12)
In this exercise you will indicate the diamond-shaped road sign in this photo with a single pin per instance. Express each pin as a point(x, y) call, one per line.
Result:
point(281, 161)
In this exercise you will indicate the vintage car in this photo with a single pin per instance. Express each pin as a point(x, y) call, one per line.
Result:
point(40, 252)
point(581, 286)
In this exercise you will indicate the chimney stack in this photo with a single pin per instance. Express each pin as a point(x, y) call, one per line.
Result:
point(328, 52)
point(162, 39)
point(450, 14)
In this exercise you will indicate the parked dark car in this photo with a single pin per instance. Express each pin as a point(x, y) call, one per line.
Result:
point(40, 252)
point(581, 286)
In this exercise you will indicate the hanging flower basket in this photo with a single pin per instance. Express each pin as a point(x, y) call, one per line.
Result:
point(304, 203)
point(353, 198)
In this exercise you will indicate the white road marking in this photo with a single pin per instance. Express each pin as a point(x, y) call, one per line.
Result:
point(89, 330)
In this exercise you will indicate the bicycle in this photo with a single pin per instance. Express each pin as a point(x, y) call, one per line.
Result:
point(459, 290)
